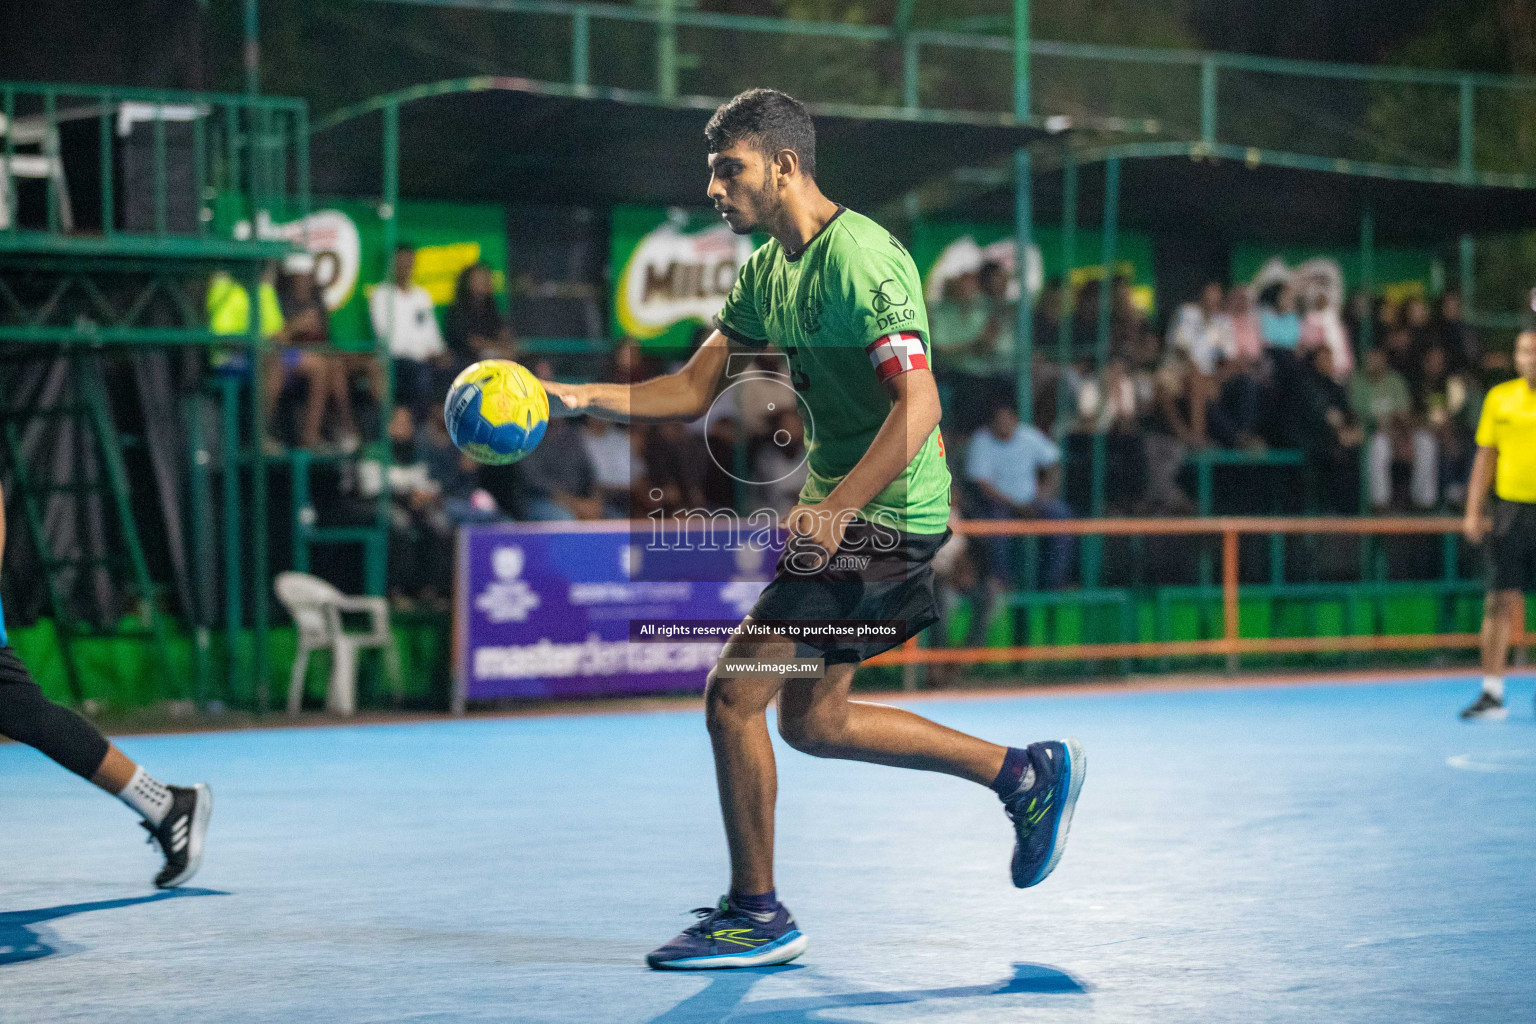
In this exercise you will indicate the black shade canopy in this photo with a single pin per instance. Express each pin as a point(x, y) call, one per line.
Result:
point(1232, 199)
point(515, 141)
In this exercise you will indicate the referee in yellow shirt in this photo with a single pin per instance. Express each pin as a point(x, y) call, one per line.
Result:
point(1506, 440)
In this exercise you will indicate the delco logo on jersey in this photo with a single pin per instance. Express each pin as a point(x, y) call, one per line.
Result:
point(892, 306)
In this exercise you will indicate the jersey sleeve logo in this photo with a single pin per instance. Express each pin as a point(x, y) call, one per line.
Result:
point(888, 295)
point(896, 354)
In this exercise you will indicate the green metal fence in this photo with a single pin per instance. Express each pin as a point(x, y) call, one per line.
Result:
point(207, 155)
point(1408, 117)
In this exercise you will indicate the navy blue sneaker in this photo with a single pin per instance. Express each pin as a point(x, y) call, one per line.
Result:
point(1042, 814)
point(729, 937)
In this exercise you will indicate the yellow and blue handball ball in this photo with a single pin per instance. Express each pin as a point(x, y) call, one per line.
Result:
point(496, 411)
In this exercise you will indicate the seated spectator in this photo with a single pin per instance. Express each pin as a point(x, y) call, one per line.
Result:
point(630, 364)
point(725, 445)
point(229, 313)
point(456, 476)
point(1417, 321)
point(556, 480)
point(956, 324)
point(1279, 325)
point(674, 463)
point(613, 464)
point(1330, 433)
point(476, 328)
point(1232, 405)
point(1402, 355)
point(1172, 425)
point(1125, 318)
point(1047, 314)
point(405, 323)
point(1380, 401)
point(420, 533)
point(309, 327)
point(1463, 348)
point(1247, 340)
point(1322, 327)
point(1203, 330)
point(1016, 471)
point(1108, 403)
point(779, 464)
point(1447, 404)
point(1111, 404)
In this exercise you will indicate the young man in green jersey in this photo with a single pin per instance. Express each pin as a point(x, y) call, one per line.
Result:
point(840, 296)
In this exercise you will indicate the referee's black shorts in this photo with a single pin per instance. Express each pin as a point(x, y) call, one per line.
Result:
point(1510, 550)
point(880, 574)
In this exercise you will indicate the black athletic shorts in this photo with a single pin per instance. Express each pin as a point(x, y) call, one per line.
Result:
point(879, 574)
point(1510, 549)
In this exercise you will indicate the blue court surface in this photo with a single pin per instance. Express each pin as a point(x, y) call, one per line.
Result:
point(1293, 853)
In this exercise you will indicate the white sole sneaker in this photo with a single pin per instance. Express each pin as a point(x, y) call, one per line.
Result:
point(200, 815)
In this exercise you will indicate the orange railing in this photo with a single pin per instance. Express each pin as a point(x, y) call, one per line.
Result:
point(1230, 529)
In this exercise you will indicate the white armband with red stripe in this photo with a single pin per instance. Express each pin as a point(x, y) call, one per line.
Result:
point(897, 353)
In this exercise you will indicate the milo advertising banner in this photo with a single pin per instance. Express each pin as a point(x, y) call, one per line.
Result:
point(672, 270)
point(944, 250)
point(345, 239)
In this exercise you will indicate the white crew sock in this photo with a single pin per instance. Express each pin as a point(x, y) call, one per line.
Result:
point(147, 795)
point(1493, 686)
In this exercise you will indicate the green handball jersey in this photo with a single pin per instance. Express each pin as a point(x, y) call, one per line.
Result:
point(848, 312)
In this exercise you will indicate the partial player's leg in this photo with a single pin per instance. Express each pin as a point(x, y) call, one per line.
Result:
point(1500, 608)
point(817, 718)
point(749, 927)
point(176, 817)
point(1038, 784)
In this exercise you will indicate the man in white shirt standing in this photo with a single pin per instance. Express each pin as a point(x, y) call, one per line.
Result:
point(405, 322)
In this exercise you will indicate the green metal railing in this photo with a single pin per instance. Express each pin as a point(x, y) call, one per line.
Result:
point(1392, 116)
point(244, 157)
point(126, 268)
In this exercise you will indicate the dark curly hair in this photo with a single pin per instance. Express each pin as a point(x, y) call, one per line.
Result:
point(768, 121)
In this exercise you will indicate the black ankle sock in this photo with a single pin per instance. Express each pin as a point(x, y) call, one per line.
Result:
point(1015, 764)
point(763, 903)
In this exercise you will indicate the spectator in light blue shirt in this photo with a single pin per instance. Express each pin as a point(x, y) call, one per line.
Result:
point(1016, 472)
point(1279, 324)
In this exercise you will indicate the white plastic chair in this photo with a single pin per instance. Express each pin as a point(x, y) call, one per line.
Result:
point(317, 607)
point(46, 163)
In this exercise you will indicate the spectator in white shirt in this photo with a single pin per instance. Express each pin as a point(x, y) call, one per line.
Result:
point(405, 322)
point(614, 465)
point(1204, 330)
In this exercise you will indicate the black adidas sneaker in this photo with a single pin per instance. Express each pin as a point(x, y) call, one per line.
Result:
point(181, 833)
point(1486, 706)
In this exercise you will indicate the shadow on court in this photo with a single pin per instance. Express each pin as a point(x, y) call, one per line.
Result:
point(723, 997)
point(19, 943)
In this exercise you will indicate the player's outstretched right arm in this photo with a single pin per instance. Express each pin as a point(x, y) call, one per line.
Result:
point(684, 395)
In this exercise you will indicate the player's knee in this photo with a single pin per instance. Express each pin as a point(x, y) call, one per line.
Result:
point(810, 733)
point(729, 701)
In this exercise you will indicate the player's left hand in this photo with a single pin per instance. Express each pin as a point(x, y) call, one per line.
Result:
point(819, 525)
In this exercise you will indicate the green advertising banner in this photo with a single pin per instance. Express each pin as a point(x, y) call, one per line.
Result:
point(673, 269)
point(945, 249)
point(1400, 273)
point(346, 239)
